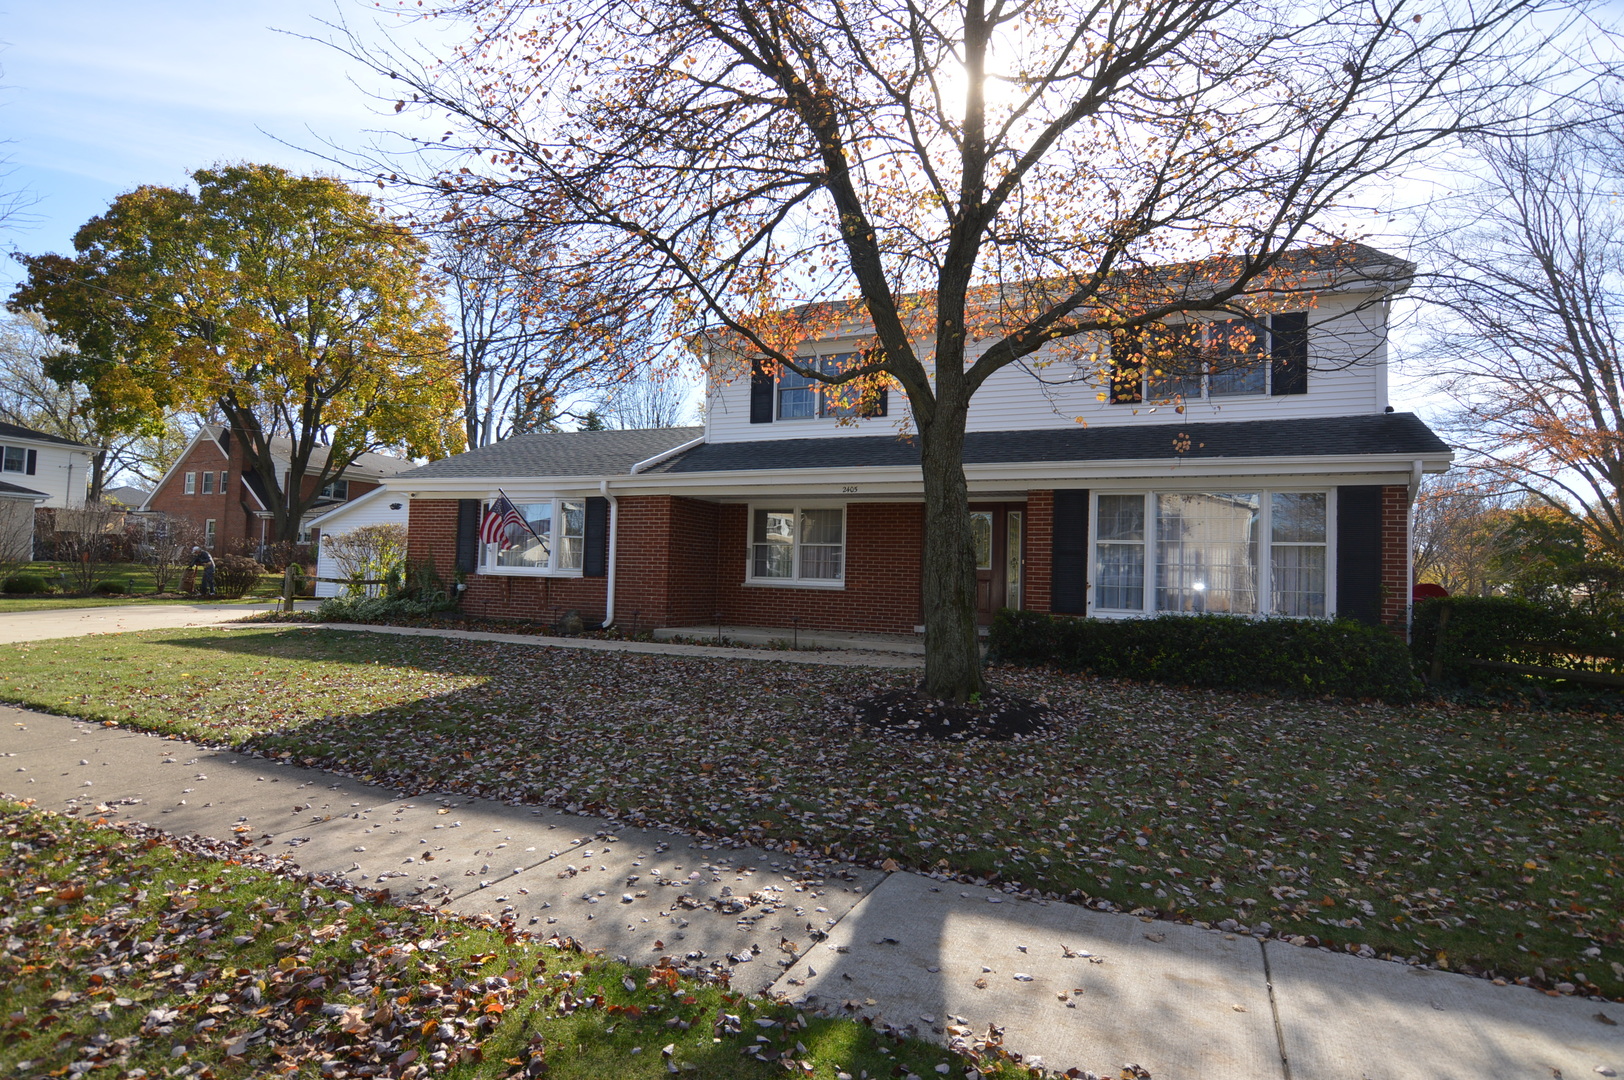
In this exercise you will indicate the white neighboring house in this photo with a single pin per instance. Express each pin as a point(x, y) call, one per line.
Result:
point(55, 467)
point(17, 521)
point(36, 470)
point(377, 507)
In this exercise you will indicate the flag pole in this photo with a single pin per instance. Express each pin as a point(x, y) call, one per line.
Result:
point(515, 506)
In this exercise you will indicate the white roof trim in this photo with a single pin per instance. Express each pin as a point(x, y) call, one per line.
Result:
point(650, 462)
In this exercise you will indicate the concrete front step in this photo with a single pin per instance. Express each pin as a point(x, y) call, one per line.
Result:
point(788, 637)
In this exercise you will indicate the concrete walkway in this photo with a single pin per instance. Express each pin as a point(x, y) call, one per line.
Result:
point(1079, 988)
point(76, 622)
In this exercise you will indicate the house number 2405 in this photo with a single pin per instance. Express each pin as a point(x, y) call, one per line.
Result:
point(849, 489)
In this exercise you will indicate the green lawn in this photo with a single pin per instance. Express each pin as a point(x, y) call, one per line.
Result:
point(1480, 840)
point(123, 952)
point(136, 575)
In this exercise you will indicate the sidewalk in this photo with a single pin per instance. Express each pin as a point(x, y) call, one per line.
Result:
point(1081, 988)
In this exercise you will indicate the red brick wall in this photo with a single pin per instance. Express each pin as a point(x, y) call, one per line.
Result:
point(431, 526)
point(1039, 547)
point(1396, 583)
point(232, 522)
point(884, 545)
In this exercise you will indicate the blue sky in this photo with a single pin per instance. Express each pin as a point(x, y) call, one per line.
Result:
point(103, 96)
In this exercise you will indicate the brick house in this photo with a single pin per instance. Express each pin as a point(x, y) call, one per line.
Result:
point(218, 491)
point(1282, 485)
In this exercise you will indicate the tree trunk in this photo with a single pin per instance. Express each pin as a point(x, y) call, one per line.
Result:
point(952, 648)
point(98, 476)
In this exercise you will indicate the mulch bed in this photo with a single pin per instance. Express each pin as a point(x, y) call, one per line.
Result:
point(913, 714)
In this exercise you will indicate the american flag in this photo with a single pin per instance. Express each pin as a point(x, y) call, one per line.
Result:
point(498, 517)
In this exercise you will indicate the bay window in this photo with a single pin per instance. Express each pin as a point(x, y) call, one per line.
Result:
point(797, 545)
point(1238, 553)
point(540, 537)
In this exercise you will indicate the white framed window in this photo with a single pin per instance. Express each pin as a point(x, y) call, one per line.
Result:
point(1222, 358)
point(223, 475)
point(1233, 552)
point(208, 483)
point(797, 545)
point(13, 459)
point(548, 538)
point(208, 533)
point(338, 489)
point(801, 397)
point(191, 483)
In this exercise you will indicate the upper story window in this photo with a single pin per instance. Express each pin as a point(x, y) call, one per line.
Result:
point(208, 483)
point(545, 537)
point(18, 459)
point(191, 483)
point(1213, 360)
point(338, 489)
point(798, 545)
point(793, 396)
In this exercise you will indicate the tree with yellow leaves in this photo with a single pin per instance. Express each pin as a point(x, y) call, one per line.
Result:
point(288, 305)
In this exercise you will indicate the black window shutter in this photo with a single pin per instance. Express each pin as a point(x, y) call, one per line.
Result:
point(882, 404)
point(1127, 369)
point(1068, 573)
point(33, 462)
point(761, 394)
point(595, 561)
point(467, 535)
point(1359, 553)
point(1288, 353)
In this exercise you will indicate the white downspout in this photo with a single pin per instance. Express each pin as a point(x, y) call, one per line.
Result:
point(1417, 471)
point(609, 574)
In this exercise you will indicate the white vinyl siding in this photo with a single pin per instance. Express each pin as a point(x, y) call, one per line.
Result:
point(1348, 377)
point(375, 511)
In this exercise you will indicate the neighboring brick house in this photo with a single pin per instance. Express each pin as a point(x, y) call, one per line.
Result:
point(214, 487)
point(1283, 485)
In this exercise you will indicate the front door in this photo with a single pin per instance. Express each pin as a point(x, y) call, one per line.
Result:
point(996, 535)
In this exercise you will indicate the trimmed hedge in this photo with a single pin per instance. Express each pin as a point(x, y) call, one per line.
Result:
point(24, 585)
point(1500, 628)
point(1294, 656)
point(111, 587)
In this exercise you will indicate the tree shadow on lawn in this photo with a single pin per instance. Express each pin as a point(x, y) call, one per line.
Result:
point(1428, 821)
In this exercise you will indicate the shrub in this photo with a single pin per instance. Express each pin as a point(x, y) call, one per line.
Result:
point(1293, 656)
point(415, 590)
point(1503, 628)
point(111, 587)
point(24, 585)
point(234, 575)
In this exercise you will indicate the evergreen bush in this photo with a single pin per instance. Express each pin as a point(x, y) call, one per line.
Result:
point(1311, 657)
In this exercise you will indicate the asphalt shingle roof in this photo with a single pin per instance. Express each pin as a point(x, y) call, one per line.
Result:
point(562, 453)
point(17, 431)
point(1393, 433)
point(18, 489)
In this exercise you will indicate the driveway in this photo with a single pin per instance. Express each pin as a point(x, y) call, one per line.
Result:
point(75, 622)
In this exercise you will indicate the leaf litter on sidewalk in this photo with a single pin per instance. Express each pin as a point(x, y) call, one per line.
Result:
point(126, 953)
point(1477, 840)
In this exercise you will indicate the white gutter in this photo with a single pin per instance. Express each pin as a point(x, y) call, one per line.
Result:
point(649, 463)
point(609, 571)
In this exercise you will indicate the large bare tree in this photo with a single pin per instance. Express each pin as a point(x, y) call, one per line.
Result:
point(979, 182)
point(1531, 344)
point(521, 367)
